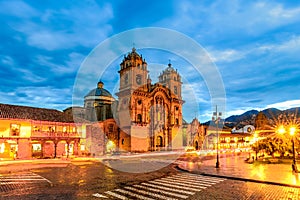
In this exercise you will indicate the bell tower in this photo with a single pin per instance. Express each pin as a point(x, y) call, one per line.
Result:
point(172, 80)
point(133, 72)
point(133, 76)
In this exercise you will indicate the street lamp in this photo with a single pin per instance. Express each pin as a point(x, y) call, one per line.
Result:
point(256, 144)
point(216, 117)
point(281, 130)
point(292, 133)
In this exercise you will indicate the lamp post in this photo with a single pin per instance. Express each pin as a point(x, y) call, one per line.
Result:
point(256, 144)
point(216, 117)
point(282, 130)
point(294, 165)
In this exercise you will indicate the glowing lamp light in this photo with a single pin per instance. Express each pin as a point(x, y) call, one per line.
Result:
point(292, 130)
point(281, 130)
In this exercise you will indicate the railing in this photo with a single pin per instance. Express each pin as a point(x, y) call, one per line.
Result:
point(53, 134)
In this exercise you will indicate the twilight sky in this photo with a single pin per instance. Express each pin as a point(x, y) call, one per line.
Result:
point(255, 45)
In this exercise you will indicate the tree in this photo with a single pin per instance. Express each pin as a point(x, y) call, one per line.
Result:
point(274, 145)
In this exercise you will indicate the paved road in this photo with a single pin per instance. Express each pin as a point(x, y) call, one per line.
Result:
point(93, 180)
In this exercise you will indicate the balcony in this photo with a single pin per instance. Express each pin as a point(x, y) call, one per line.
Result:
point(50, 134)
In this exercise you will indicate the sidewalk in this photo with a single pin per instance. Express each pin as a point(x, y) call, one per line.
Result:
point(8, 166)
point(236, 168)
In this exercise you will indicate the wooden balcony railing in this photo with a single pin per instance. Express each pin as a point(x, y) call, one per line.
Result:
point(54, 134)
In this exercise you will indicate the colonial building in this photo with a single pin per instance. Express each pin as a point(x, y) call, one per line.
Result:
point(195, 134)
point(149, 115)
point(27, 132)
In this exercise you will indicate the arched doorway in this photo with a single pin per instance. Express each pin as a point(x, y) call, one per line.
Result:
point(159, 141)
point(196, 145)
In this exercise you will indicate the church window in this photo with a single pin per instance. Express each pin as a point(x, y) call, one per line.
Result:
point(15, 129)
point(138, 79)
point(174, 78)
point(123, 141)
point(177, 121)
point(139, 102)
point(126, 79)
point(175, 89)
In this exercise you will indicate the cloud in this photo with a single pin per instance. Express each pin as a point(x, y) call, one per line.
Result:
point(285, 104)
point(45, 97)
point(60, 28)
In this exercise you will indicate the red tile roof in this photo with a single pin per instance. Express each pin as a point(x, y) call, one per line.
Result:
point(32, 113)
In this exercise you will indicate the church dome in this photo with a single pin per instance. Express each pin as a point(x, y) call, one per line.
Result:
point(99, 91)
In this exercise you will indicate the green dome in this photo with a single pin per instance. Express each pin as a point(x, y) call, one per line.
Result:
point(99, 91)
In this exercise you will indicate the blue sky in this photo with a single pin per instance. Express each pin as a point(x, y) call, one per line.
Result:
point(255, 45)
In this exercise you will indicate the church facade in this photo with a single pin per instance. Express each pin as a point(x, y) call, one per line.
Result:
point(148, 115)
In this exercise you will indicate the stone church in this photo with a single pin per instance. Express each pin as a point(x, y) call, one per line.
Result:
point(146, 116)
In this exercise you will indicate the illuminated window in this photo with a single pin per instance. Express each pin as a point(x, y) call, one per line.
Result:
point(36, 128)
point(51, 129)
point(15, 129)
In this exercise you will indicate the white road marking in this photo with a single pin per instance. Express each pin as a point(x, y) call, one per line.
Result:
point(174, 182)
point(116, 195)
point(168, 189)
point(199, 177)
point(188, 181)
point(162, 191)
point(99, 195)
point(149, 193)
point(192, 180)
point(202, 177)
point(133, 194)
point(174, 186)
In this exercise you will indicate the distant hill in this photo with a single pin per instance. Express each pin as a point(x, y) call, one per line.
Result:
point(245, 116)
point(249, 117)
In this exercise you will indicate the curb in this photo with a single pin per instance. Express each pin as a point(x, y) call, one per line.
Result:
point(239, 178)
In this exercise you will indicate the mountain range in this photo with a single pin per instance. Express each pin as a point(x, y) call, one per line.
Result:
point(272, 114)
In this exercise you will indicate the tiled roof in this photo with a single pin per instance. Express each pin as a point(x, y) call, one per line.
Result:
point(32, 113)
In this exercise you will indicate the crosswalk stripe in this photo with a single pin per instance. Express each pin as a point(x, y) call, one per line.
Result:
point(188, 181)
point(116, 195)
point(174, 186)
point(14, 182)
point(168, 189)
point(199, 177)
point(182, 184)
point(22, 179)
point(149, 193)
point(196, 179)
point(162, 191)
point(133, 194)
